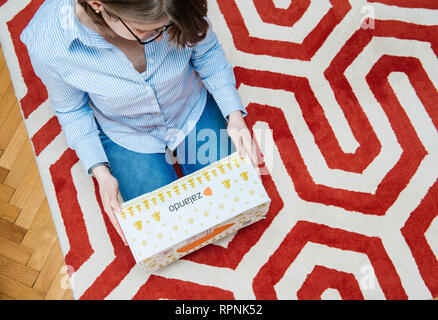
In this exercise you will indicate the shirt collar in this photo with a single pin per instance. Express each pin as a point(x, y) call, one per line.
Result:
point(74, 29)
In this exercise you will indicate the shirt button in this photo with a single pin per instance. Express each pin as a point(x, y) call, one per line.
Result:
point(151, 60)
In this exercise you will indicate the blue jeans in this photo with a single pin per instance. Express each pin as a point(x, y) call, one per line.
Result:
point(139, 173)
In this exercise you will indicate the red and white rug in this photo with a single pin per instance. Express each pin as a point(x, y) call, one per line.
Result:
point(348, 90)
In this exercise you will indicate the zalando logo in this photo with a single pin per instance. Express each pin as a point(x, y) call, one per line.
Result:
point(189, 200)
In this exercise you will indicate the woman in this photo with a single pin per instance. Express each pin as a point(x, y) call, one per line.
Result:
point(131, 79)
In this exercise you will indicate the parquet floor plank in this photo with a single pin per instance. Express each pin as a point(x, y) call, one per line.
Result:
point(14, 251)
point(31, 261)
point(30, 208)
point(6, 192)
point(25, 187)
point(3, 174)
point(13, 148)
point(58, 287)
point(11, 231)
point(18, 271)
point(8, 211)
point(36, 229)
point(5, 81)
point(44, 246)
point(51, 268)
point(7, 102)
point(68, 295)
point(17, 290)
point(5, 297)
point(2, 61)
point(17, 172)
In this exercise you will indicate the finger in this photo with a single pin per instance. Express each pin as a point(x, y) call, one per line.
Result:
point(235, 136)
point(250, 148)
point(240, 137)
point(115, 204)
point(118, 228)
point(252, 155)
point(237, 140)
point(115, 223)
point(118, 210)
point(241, 149)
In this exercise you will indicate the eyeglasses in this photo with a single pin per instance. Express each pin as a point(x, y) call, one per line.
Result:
point(150, 37)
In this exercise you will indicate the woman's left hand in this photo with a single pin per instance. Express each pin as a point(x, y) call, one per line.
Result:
point(241, 137)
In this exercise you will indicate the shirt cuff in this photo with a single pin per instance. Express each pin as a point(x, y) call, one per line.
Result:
point(90, 170)
point(228, 100)
point(90, 151)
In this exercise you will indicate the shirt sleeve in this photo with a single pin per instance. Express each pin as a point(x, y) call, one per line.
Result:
point(74, 114)
point(208, 59)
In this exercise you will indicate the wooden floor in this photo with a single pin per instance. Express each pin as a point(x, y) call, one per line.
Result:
point(31, 263)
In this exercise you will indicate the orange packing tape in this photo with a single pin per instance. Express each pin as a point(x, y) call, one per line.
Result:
point(204, 239)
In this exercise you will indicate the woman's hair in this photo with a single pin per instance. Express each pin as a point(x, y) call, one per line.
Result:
point(189, 26)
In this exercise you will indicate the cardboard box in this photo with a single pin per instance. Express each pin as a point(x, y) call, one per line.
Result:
point(193, 211)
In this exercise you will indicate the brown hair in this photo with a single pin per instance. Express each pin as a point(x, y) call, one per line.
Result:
point(189, 26)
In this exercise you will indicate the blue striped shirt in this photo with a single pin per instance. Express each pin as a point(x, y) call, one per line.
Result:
point(89, 79)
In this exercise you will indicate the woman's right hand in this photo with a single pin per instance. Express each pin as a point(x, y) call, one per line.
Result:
point(109, 189)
